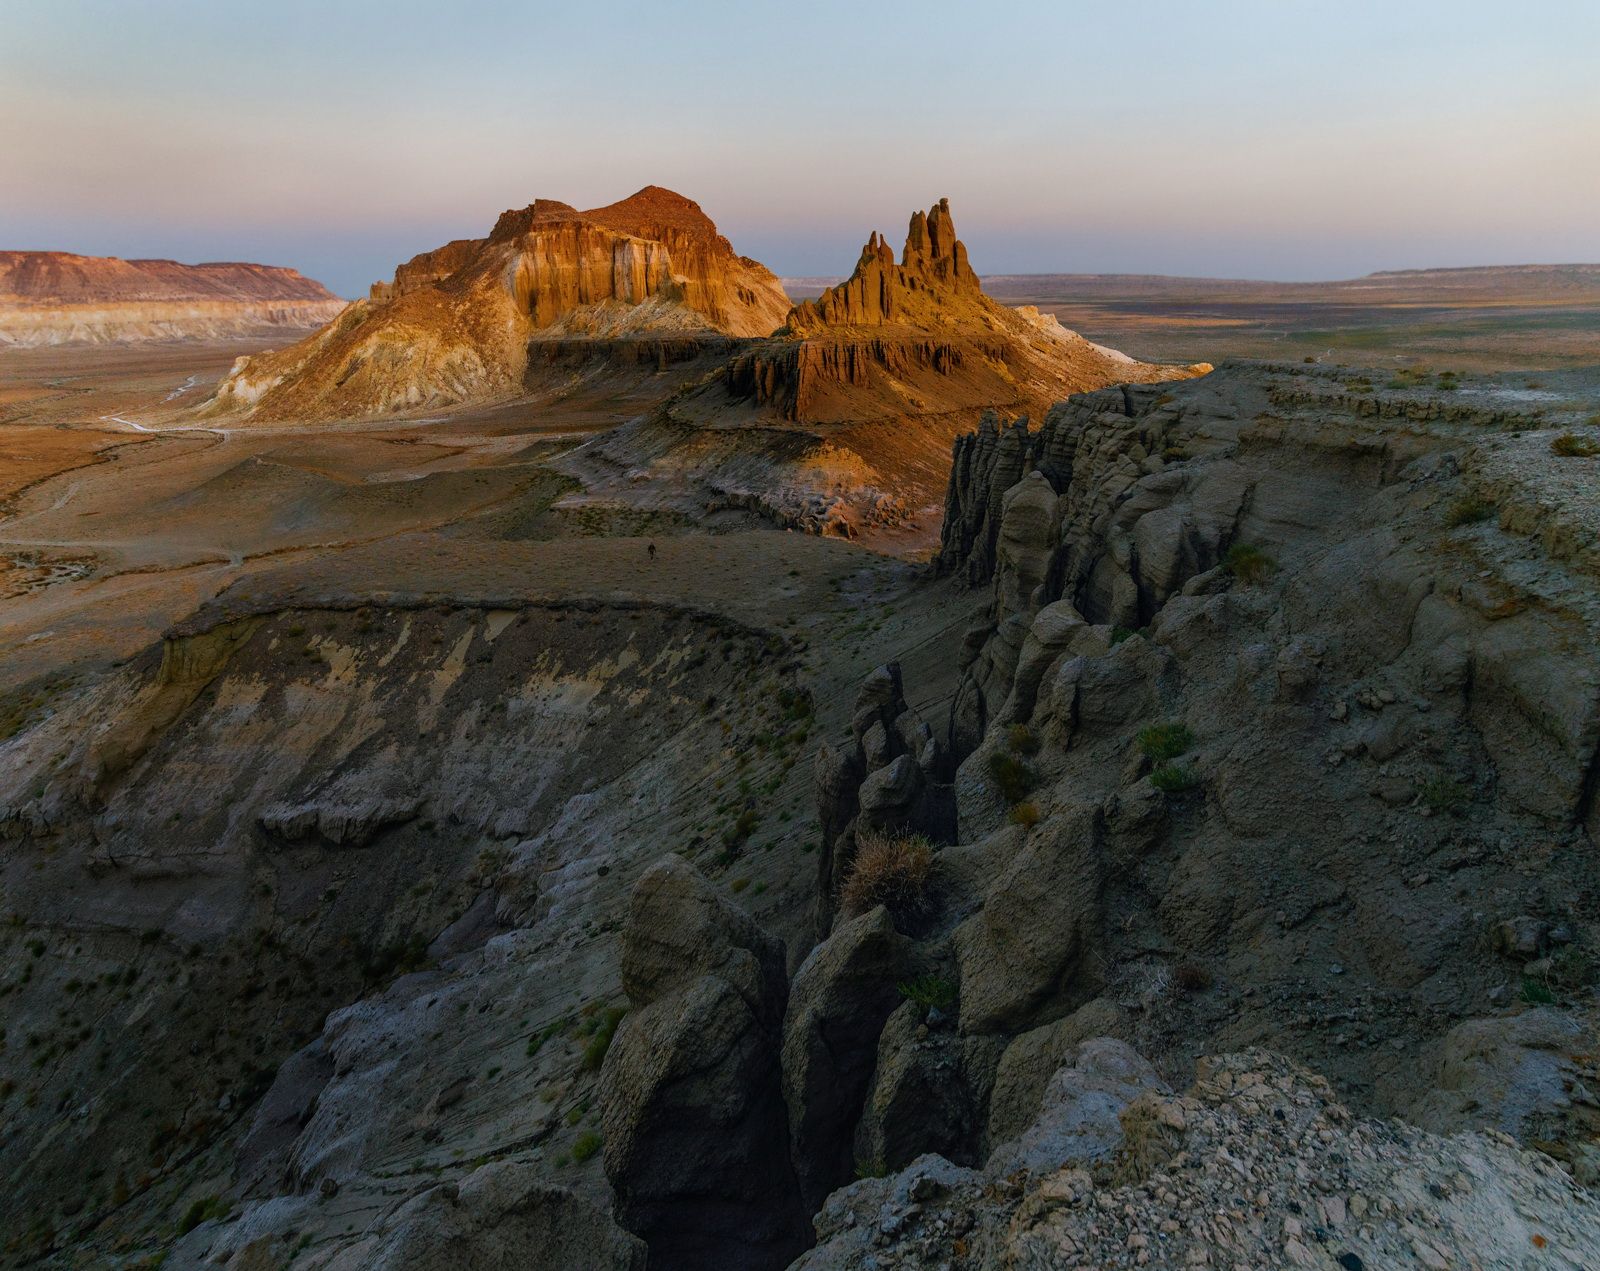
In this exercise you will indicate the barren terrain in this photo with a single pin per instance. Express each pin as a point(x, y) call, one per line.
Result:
point(428, 839)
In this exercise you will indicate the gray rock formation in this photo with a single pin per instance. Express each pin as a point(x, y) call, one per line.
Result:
point(1255, 1165)
point(1027, 950)
point(1080, 1114)
point(696, 1140)
point(921, 1098)
point(894, 777)
point(840, 998)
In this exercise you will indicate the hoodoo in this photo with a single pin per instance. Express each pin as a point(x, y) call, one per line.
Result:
point(844, 419)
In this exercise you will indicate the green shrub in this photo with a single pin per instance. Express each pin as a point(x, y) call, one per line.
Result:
point(1173, 779)
point(203, 1210)
point(1119, 634)
point(585, 1146)
point(1571, 446)
point(741, 829)
point(1572, 968)
point(871, 1168)
point(1013, 777)
point(594, 1054)
point(1444, 794)
point(1536, 993)
point(1468, 510)
point(928, 991)
point(1022, 740)
point(1161, 742)
point(1249, 564)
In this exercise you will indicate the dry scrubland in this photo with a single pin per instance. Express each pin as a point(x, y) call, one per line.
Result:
point(403, 866)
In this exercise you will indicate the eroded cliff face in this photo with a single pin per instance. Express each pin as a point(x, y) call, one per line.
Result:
point(456, 323)
point(919, 336)
point(62, 298)
point(430, 920)
point(842, 422)
point(1246, 758)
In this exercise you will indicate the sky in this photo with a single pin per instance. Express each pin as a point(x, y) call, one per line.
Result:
point(1219, 138)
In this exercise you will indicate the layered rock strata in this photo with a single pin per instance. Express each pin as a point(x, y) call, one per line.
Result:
point(49, 298)
point(456, 323)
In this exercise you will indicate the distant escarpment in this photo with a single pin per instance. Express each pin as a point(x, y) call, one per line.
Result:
point(456, 324)
point(60, 298)
point(843, 420)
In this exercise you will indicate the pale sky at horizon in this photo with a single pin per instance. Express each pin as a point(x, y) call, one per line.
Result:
point(1239, 138)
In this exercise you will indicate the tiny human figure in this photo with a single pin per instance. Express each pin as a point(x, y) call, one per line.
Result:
point(652, 550)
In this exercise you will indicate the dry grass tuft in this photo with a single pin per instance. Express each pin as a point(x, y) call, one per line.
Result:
point(890, 870)
point(1571, 446)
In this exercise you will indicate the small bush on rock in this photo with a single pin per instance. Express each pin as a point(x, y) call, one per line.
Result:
point(1022, 740)
point(928, 991)
point(1161, 742)
point(1013, 777)
point(605, 1028)
point(203, 1210)
point(585, 1146)
point(890, 870)
point(873, 1167)
point(1249, 564)
point(1026, 814)
point(1536, 992)
point(1173, 779)
point(1443, 794)
point(1468, 511)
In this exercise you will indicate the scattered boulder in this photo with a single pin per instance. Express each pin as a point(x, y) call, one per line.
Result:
point(1079, 1121)
point(1531, 1075)
point(1030, 1060)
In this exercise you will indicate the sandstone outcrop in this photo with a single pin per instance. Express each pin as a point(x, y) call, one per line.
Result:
point(840, 998)
point(696, 1139)
point(841, 423)
point(899, 338)
point(60, 298)
point(456, 323)
point(893, 778)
